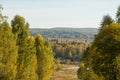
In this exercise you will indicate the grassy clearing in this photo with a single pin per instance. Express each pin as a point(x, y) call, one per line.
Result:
point(67, 72)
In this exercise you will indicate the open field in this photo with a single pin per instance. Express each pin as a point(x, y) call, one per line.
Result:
point(67, 72)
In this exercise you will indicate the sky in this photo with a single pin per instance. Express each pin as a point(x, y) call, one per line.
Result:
point(61, 13)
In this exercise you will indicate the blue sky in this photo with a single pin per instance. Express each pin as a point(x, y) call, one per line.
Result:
point(60, 13)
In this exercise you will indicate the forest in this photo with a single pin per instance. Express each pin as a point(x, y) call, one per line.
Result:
point(23, 57)
point(65, 33)
point(101, 60)
point(68, 44)
point(38, 54)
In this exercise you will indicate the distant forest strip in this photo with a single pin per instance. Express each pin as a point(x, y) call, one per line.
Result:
point(65, 33)
point(68, 44)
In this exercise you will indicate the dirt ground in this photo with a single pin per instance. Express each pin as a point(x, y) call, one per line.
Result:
point(68, 72)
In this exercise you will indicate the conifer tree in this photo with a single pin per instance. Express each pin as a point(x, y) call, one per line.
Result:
point(105, 50)
point(29, 70)
point(106, 21)
point(8, 50)
point(8, 53)
point(117, 63)
point(118, 15)
point(27, 61)
point(45, 58)
point(21, 29)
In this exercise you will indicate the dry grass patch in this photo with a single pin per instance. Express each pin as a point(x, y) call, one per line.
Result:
point(67, 72)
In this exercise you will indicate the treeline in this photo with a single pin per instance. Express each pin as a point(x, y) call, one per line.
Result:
point(68, 44)
point(67, 50)
point(23, 57)
point(101, 61)
point(65, 33)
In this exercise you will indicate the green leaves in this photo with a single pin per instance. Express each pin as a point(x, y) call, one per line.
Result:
point(8, 53)
point(105, 49)
point(35, 55)
point(27, 60)
point(20, 28)
point(45, 58)
point(22, 57)
point(103, 55)
point(106, 21)
point(118, 15)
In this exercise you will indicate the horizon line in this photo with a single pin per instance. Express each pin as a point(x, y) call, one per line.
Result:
point(62, 27)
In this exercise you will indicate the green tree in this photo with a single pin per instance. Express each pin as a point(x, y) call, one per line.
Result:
point(20, 28)
point(8, 53)
point(26, 50)
point(8, 50)
point(85, 71)
point(81, 71)
point(118, 15)
point(106, 21)
point(2, 18)
point(45, 58)
point(104, 51)
point(29, 68)
point(117, 63)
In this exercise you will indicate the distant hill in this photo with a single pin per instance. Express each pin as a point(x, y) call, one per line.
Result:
point(65, 33)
